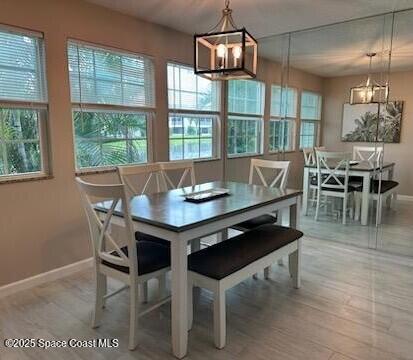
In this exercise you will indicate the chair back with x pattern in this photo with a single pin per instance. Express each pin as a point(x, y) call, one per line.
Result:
point(151, 173)
point(309, 158)
point(329, 164)
point(281, 170)
point(185, 167)
point(103, 244)
point(368, 153)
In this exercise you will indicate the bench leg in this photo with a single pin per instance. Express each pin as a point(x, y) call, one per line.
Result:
point(219, 318)
point(294, 263)
point(190, 305)
point(161, 286)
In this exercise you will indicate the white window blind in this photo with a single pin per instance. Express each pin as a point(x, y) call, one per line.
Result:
point(310, 106)
point(246, 97)
point(283, 102)
point(193, 120)
point(21, 67)
point(23, 105)
point(101, 76)
point(187, 91)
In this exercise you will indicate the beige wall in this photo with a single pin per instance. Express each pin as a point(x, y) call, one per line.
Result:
point(336, 93)
point(42, 226)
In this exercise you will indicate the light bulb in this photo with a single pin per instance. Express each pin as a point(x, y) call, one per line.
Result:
point(237, 51)
point(221, 50)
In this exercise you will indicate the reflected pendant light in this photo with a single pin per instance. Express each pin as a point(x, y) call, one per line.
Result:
point(225, 52)
point(370, 92)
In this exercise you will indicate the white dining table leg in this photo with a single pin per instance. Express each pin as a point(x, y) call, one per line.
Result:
point(365, 199)
point(179, 263)
point(306, 179)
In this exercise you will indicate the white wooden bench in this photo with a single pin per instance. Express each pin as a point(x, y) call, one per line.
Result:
point(226, 264)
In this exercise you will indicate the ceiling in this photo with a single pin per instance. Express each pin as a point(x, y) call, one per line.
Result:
point(260, 17)
point(330, 51)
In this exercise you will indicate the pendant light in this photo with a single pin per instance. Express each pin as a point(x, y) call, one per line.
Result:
point(225, 52)
point(370, 92)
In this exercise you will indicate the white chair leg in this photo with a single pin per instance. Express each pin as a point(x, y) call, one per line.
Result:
point(133, 317)
point(190, 305)
point(267, 272)
point(143, 292)
point(100, 292)
point(219, 318)
point(161, 286)
point(379, 204)
point(317, 209)
point(294, 264)
point(357, 206)
point(345, 199)
point(394, 201)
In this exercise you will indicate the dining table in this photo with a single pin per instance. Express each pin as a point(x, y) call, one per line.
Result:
point(366, 170)
point(168, 215)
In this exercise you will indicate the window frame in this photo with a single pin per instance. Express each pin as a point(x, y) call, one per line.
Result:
point(149, 111)
point(247, 116)
point(316, 122)
point(215, 114)
point(39, 106)
point(280, 118)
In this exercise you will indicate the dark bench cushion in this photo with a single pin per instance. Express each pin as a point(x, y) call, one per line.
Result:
point(351, 186)
point(227, 257)
point(386, 185)
point(145, 237)
point(258, 221)
point(151, 257)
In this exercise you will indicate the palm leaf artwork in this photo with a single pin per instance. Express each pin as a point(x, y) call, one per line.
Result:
point(381, 126)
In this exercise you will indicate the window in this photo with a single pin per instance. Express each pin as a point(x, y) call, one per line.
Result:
point(283, 118)
point(310, 118)
point(245, 117)
point(193, 114)
point(23, 105)
point(113, 100)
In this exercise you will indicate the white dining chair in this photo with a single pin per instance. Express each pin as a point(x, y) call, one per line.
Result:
point(279, 171)
point(132, 264)
point(330, 183)
point(368, 153)
point(310, 159)
point(147, 174)
point(176, 174)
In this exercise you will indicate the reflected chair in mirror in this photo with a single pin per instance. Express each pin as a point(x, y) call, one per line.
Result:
point(133, 264)
point(368, 153)
point(177, 174)
point(380, 191)
point(332, 184)
point(310, 159)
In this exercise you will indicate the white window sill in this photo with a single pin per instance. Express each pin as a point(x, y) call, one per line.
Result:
point(97, 170)
point(249, 155)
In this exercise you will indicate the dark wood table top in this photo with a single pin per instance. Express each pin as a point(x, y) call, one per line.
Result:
point(362, 166)
point(169, 210)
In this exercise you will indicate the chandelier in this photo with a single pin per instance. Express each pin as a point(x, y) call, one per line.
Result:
point(369, 92)
point(226, 52)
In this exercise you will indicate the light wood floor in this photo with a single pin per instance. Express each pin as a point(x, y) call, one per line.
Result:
point(353, 304)
point(394, 235)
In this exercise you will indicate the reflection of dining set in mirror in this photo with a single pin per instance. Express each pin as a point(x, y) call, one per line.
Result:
point(343, 184)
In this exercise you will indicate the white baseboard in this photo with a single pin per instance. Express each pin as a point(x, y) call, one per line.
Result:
point(405, 197)
point(39, 279)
